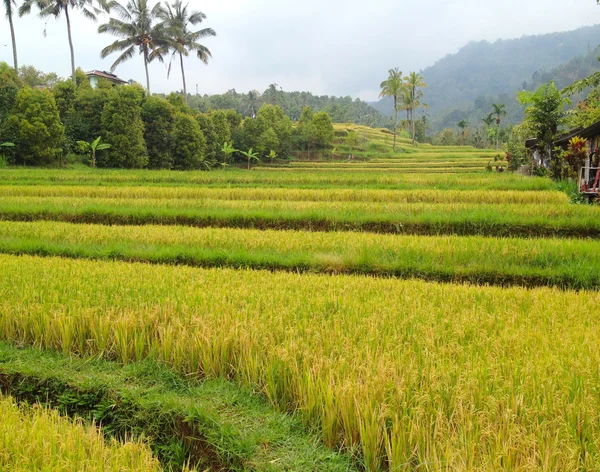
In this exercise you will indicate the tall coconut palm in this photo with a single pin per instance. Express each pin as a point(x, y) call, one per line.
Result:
point(463, 125)
point(138, 30)
point(392, 87)
point(412, 84)
point(181, 41)
point(56, 7)
point(10, 8)
point(499, 110)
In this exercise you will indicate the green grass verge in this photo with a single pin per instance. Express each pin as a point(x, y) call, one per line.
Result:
point(214, 425)
point(571, 264)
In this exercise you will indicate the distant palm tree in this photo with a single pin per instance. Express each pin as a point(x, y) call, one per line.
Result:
point(412, 83)
point(138, 30)
point(488, 121)
point(463, 124)
point(392, 87)
point(251, 102)
point(499, 110)
point(56, 7)
point(10, 8)
point(177, 20)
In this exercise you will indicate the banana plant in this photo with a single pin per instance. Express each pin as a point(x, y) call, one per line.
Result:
point(250, 155)
point(3, 160)
point(272, 155)
point(91, 148)
point(227, 151)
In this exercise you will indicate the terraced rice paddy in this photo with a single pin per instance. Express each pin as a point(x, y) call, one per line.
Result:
point(410, 311)
point(40, 439)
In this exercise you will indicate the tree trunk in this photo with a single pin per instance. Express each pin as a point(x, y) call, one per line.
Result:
point(12, 37)
point(412, 119)
point(71, 46)
point(183, 77)
point(497, 135)
point(147, 74)
point(395, 120)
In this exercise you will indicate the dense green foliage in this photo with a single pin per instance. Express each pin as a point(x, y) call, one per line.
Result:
point(141, 132)
point(189, 144)
point(34, 127)
point(341, 109)
point(123, 129)
point(158, 116)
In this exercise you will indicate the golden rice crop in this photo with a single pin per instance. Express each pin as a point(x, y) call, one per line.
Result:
point(337, 209)
point(434, 166)
point(35, 438)
point(418, 375)
point(316, 195)
point(366, 170)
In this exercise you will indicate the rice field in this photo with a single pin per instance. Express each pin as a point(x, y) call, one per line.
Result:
point(40, 439)
point(406, 311)
point(410, 372)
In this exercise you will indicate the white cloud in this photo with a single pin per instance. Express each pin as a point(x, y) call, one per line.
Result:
point(341, 47)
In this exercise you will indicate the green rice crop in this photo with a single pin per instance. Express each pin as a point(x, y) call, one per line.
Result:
point(414, 373)
point(383, 217)
point(306, 179)
point(566, 263)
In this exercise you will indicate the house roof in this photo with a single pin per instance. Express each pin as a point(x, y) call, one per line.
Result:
point(105, 75)
point(566, 137)
point(586, 133)
point(530, 143)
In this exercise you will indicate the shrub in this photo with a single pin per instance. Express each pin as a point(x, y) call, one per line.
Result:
point(123, 129)
point(158, 116)
point(189, 143)
point(34, 127)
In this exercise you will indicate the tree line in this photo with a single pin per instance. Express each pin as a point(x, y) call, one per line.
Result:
point(128, 128)
point(156, 32)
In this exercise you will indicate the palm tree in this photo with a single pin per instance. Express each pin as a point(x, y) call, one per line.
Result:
point(56, 7)
point(392, 87)
point(9, 8)
point(137, 30)
point(413, 82)
point(251, 103)
point(499, 110)
point(177, 20)
point(463, 124)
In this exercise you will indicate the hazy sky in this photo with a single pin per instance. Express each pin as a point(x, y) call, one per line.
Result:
point(334, 47)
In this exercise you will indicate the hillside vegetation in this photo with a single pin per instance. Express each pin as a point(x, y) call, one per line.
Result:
point(465, 84)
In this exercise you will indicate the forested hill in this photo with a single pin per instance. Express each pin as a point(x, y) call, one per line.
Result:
point(482, 72)
point(341, 109)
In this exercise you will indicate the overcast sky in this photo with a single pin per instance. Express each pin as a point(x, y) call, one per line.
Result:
point(334, 47)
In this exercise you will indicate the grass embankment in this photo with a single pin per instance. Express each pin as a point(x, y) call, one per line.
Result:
point(468, 378)
point(36, 439)
point(293, 195)
point(500, 220)
point(357, 170)
point(392, 166)
point(213, 425)
point(571, 264)
point(243, 178)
